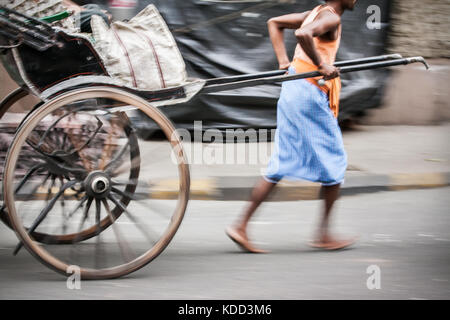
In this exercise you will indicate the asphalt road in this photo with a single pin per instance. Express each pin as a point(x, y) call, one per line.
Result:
point(405, 234)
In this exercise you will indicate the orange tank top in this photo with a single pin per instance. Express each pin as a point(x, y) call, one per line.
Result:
point(327, 50)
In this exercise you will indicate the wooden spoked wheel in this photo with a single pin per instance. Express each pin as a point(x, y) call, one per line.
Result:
point(91, 196)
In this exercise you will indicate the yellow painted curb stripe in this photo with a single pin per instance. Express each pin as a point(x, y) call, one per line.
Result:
point(169, 189)
point(417, 180)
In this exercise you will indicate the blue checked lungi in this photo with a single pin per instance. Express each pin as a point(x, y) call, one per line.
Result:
point(308, 140)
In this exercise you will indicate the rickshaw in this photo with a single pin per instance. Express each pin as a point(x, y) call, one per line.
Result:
point(79, 181)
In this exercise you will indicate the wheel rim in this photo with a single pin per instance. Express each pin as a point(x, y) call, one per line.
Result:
point(5, 105)
point(112, 207)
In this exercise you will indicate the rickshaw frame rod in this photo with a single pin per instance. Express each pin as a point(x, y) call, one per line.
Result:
point(281, 72)
point(12, 98)
point(270, 80)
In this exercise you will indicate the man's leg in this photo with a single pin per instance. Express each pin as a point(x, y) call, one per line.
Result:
point(238, 231)
point(329, 194)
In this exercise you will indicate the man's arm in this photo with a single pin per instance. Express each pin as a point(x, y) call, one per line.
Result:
point(276, 26)
point(325, 22)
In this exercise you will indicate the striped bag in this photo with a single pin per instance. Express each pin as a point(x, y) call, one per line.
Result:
point(140, 53)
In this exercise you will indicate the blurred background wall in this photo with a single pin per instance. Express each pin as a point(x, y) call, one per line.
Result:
point(420, 26)
point(415, 96)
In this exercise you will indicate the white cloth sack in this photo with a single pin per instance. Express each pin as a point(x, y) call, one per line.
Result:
point(140, 53)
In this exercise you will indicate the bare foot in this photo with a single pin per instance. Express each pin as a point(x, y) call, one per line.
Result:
point(330, 243)
point(240, 238)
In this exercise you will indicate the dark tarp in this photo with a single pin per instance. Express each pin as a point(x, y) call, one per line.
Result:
point(223, 38)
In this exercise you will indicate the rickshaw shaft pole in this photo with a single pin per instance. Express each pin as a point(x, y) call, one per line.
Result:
point(281, 72)
point(275, 79)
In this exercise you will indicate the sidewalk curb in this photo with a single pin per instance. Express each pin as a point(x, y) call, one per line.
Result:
point(239, 188)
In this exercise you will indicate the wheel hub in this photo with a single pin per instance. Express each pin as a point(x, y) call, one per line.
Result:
point(98, 184)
